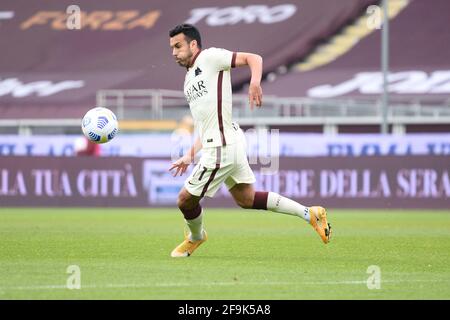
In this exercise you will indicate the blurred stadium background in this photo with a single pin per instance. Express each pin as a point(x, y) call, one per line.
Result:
point(340, 140)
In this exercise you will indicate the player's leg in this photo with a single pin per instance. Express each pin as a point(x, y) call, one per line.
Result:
point(189, 205)
point(191, 209)
point(247, 198)
point(240, 184)
point(204, 180)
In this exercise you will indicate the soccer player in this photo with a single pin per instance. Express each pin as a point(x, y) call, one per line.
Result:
point(207, 87)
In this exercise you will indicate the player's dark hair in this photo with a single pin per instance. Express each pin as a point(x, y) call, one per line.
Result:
point(189, 31)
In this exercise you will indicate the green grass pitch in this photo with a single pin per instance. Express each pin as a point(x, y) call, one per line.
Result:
point(125, 254)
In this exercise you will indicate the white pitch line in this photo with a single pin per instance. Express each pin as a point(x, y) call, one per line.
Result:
point(212, 284)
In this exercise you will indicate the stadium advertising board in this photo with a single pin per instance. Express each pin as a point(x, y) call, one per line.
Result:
point(285, 144)
point(375, 182)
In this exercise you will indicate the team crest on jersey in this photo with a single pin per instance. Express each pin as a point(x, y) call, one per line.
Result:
point(198, 71)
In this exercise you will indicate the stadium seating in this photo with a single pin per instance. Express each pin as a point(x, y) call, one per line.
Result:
point(320, 62)
point(418, 61)
point(53, 64)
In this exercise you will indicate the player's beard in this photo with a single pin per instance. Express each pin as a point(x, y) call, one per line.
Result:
point(185, 62)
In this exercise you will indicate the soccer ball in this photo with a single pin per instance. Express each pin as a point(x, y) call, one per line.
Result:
point(100, 125)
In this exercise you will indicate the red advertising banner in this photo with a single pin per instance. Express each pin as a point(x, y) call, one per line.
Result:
point(338, 182)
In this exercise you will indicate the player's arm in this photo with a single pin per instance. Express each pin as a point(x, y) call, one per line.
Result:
point(183, 163)
point(255, 63)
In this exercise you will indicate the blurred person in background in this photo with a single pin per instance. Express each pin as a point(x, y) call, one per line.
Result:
point(182, 137)
point(84, 147)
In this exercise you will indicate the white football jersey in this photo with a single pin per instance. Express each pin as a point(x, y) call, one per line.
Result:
point(207, 88)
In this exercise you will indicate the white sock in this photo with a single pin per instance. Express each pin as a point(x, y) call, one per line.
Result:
point(278, 203)
point(196, 227)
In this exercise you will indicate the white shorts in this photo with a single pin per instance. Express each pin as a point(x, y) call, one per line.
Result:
point(227, 164)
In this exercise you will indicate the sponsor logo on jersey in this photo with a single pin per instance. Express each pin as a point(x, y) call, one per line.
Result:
point(195, 91)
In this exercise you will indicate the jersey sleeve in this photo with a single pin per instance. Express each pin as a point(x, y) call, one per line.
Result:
point(222, 59)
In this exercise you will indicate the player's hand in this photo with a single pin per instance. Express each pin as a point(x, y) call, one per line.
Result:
point(180, 165)
point(255, 95)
